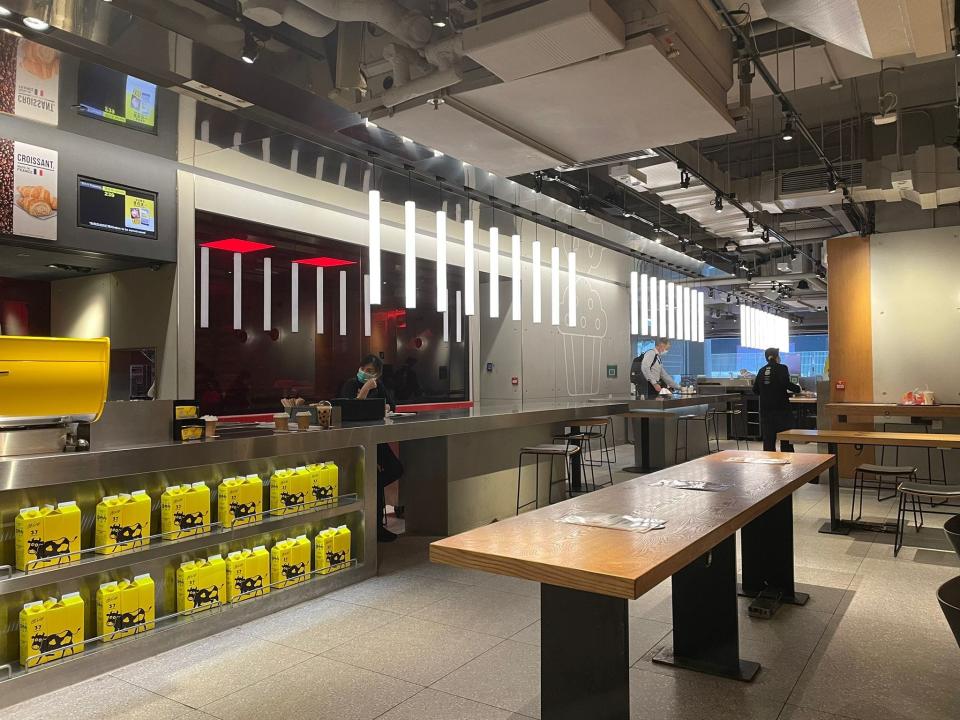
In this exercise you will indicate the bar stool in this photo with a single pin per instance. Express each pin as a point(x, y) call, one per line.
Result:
point(897, 473)
point(597, 429)
point(914, 492)
point(736, 414)
point(545, 450)
point(584, 439)
point(927, 425)
point(706, 419)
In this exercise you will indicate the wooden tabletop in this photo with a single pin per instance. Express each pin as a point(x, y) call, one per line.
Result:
point(627, 564)
point(893, 410)
point(803, 400)
point(866, 437)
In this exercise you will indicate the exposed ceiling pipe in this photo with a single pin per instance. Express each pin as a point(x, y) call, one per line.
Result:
point(271, 13)
point(411, 27)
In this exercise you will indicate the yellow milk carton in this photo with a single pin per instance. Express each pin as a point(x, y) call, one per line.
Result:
point(185, 511)
point(290, 561)
point(332, 549)
point(201, 584)
point(248, 574)
point(51, 629)
point(240, 500)
point(123, 522)
point(290, 490)
point(47, 536)
point(125, 607)
point(325, 481)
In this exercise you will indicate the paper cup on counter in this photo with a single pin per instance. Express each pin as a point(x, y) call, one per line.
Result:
point(211, 424)
point(303, 420)
point(281, 421)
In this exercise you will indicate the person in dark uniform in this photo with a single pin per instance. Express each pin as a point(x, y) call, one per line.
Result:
point(367, 384)
point(773, 386)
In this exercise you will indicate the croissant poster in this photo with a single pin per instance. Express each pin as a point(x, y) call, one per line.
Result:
point(28, 190)
point(29, 79)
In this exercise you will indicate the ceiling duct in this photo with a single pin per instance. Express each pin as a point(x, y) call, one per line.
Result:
point(411, 27)
point(271, 13)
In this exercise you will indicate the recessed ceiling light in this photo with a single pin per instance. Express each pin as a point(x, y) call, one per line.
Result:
point(36, 24)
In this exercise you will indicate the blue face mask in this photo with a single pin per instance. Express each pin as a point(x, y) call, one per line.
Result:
point(362, 376)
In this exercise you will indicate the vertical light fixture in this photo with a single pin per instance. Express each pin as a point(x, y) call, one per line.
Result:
point(441, 261)
point(537, 299)
point(343, 302)
point(571, 289)
point(410, 252)
point(294, 297)
point(366, 306)
point(678, 311)
point(319, 301)
point(237, 292)
point(654, 308)
point(662, 289)
point(459, 316)
point(688, 313)
point(374, 246)
point(446, 322)
point(701, 320)
point(671, 311)
point(267, 289)
point(204, 287)
point(494, 272)
point(469, 268)
point(555, 285)
point(516, 295)
point(634, 302)
point(644, 304)
point(743, 326)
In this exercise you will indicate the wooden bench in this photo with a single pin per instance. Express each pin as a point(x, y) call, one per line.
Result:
point(587, 573)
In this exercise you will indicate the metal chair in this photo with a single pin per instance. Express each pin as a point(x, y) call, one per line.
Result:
point(552, 451)
point(736, 414)
point(927, 425)
point(860, 482)
point(586, 433)
point(707, 418)
point(914, 492)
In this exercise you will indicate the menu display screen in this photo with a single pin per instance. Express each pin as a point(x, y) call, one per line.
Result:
point(116, 208)
point(109, 95)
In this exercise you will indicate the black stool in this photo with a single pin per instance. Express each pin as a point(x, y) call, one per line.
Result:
point(584, 432)
point(551, 451)
point(736, 414)
point(897, 472)
point(927, 425)
point(706, 419)
point(914, 492)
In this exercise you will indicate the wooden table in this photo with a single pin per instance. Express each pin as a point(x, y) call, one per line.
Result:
point(844, 410)
point(587, 574)
point(860, 439)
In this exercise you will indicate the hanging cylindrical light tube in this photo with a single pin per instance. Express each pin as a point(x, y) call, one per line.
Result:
point(662, 306)
point(373, 222)
point(366, 306)
point(644, 304)
point(634, 302)
point(516, 295)
point(343, 302)
point(494, 271)
point(469, 268)
point(237, 292)
point(294, 297)
point(701, 320)
point(537, 300)
point(267, 292)
point(555, 285)
point(654, 308)
point(678, 311)
point(688, 313)
point(743, 326)
point(571, 289)
point(319, 301)
point(459, 316)
point(204, 287)
point(671, 311)
point(410, 253)
point(441, 261)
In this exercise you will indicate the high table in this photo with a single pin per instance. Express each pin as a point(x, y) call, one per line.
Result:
point(587, 574)
point(859, 439)
point(843, 410)
point(644, 410)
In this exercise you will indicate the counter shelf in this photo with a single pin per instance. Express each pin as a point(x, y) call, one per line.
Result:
point(174, 620)
point(29, 579)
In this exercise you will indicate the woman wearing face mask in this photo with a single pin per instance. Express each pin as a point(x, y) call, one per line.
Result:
point(367, 384)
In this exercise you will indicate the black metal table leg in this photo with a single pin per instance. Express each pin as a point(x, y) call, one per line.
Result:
point(766, 560)
point(644, 450)
point(836, 526)
point(705, 622)
point(585, 661)
point(575, 467)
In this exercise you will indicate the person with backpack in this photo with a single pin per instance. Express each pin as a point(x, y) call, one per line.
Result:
point(652, 376)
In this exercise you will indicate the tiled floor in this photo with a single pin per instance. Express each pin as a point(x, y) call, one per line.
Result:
point(428, 642)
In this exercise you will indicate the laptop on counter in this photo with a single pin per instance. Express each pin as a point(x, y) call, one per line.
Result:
point(354, 410)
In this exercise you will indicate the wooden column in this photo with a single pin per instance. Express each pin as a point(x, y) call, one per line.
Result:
point(851, 334)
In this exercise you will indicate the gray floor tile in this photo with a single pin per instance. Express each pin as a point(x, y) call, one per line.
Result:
point(507, 677)
point(463, 576)
point(517, 586)
point(102, 698)
point(655, 604)
point(413, 649)
point(644, 634)
point(195, 715)
point(484, 611)
point(319, 688)
point(212, 668)
point(433, 705)
point(692, 696)
point(793, 627)
point(401, 593)
point(792, 712)
point(318, 625)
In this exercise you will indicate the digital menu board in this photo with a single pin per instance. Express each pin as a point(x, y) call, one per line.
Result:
point(116, 208)
point(118, 98)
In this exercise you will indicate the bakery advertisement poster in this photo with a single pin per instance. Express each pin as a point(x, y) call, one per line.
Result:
point(29, 79)
point(28, 190)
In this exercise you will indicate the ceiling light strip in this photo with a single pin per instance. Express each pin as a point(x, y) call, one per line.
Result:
point(644, 304)
point(294, 297)
point(343, 302)
point(319, 301)
point(366, 305)
point(634, 304)
point(536, 294)
point(204, 287)
point(469, 268)
point(572, 289)
point(441, 261)
point(515, 290)
point(374, 249)
point(237, 290)
point(555, 286)
point(410, 253)
point(494, 271)
point(267, 289)
point(459, 297)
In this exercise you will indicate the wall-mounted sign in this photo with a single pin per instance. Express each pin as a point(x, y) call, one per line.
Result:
point(116, 208)
point(28, 190)
point(29, 79)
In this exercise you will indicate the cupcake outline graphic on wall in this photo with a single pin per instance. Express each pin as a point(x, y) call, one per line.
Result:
point(583, 345)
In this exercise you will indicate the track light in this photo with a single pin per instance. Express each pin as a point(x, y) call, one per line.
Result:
point(730, 246)
point(831, 184)
point(718, 203)
point(684, 179)
point(765, 234)
point(251, 48)
point(787, 134)
point(749, 224)
point(36, 24)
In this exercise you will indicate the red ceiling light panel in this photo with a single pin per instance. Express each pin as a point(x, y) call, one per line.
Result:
point(324, 262)
point(237, 245)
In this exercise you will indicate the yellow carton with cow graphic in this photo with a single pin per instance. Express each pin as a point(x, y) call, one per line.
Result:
point(47, 536)
point(185, 511)
point(290, 561)
point(201, 584)
point(324, 482)
point(123, 522)
point(240, 501)
point(125, 607)
point(332, 549)
point(291, 491)
point(51, 629)
point(248, 574)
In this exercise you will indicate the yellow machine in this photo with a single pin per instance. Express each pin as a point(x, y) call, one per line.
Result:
point(53, 378)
